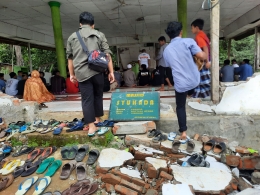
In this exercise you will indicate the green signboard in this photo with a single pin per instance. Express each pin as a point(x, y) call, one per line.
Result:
point(135, 106)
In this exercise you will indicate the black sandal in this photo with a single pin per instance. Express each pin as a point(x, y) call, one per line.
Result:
point(219, 148)
point(159, 138)
point(153, 133)
point(23, 150)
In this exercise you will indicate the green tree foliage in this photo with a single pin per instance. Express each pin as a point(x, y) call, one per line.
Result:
point(39, 57)
point(242, 49)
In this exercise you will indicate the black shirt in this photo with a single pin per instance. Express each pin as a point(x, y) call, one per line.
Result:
point(20, 87)
point(144, 77)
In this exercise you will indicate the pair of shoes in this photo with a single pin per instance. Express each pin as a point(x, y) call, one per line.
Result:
point(81, 170)
point(52, 165)
point(217, 148)
point(70, 153)
point(9, 167)
point(198, 160)
point(59, 129)
point(82, 187)
point(157, 136)
point(106, 123)
point(177, 143)
point(76, 126)
point(40, 186)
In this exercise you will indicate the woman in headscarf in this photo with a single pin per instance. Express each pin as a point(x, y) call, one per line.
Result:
point(35, 90)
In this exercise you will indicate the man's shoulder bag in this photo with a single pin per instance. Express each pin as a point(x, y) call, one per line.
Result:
point(97, 60)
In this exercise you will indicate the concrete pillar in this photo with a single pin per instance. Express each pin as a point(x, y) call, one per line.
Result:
point(182, 15)
point(257, 48)
point(57, 30)
point(214, 37)
point(229, 47)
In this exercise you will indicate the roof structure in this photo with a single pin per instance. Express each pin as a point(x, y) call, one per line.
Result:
point(30, 20)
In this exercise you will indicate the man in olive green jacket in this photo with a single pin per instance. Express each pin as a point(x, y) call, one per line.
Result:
point(90, 82)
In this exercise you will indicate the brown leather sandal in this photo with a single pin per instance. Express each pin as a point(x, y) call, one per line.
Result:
point(76, 186)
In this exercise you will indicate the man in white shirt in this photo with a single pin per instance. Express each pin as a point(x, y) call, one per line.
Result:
point(144, 58)
point(235, 65)
point(11, 85)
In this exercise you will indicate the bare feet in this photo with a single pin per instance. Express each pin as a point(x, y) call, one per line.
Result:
point(92, 128)
point(98, 119)
point(183, 135)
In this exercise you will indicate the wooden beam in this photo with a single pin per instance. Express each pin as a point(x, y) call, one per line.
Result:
point(214, 35)
point(182, 15)
point(229, 48)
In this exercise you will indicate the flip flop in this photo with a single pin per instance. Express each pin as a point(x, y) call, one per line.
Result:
point(9, 169)
point(52, 124)
point(185, 141)
point(36, 123)
point(23, 150)
point(92, 156)
point(171, 136)
point(53, 168)
point(59, 129)
point(175, 146)
point(152, 133)
point(23, 128)
point(44, 165)
point(103, 130)
point(5, 182)
point(43, 126)
point(82, 151)
point(19, 170)
point(190, 146)
point(72, 152)
point(30, 168)
point(75, 186)
point(34, 154)
point(89, 189)
point(13, 132)
point(7, 149)
point(41, 185)
point(67, 169)
point(47, 152)
point(209, 145)
point(93, 134)
point(30, 129)
point(26, 185)
point(81, 171)
point(159, 138)
point(219, 148)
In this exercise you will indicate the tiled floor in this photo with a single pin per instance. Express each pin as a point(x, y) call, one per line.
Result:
point(72, 102)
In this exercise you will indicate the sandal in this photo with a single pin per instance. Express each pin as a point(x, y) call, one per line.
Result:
point(89, 189)
point(185, 141)
point(81, 171)
point(23, 150)
point(59, 129)
point(219, 148)
point(44, 165)
point(6, 181)
point(73, 187)
point(67, 169)
point(171, 136)
point(26, 185)
point(152, 133)
point(30, 168)
point(34, 154)
point(77, 127)
point(159, 138)
point(190, 146)
point(209, 145)
point(47, 152)
point(41, 185)
point(103, 130)
point(82, 151)
point(53, 168)
point(175, 146)
point(92, 157)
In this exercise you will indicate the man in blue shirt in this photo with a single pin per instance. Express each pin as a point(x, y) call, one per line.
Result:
point(178, 55)
point(245, 70)
point(227, 72)
point(2, 82)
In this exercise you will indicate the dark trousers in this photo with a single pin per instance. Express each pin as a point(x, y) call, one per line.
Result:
point(181, 110)
point(92, 98)
point(162, 74)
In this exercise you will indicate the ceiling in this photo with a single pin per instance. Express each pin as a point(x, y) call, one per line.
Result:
point(35, 15)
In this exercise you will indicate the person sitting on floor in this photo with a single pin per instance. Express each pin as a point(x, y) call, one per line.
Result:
point(35, 89)
point(57, 83)
point(227, 72)
point(2, 82)
point(144, 76)
point(42, 74)
point(109, 87)
point(118, 76)
point(11, 85)
point(129, 77)
point(71, 88)
point(156, 77)
point(245, 70)
point(21, 84)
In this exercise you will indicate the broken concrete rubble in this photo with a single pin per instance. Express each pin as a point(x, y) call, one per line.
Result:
point(112, 158)
point(132, 128)
point(170, 189)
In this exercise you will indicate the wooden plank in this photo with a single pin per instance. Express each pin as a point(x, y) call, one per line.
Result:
point(214, 35)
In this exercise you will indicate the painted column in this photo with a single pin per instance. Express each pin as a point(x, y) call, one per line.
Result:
point(214, 37)
point(182, 15)
point(57, 30)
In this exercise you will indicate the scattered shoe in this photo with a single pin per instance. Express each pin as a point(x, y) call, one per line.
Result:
point(30, 168)
point(153, 133)
point(160, 137)
point(209, 145)
point(81, 171)
point(53, 168)
point(219, 148)
point(26, 185)
point(6, 181)
point(92, 156)
point(190, 146)
point(82, 151)
point(171, 136)
point(175, 146)
point(23, 150)
point(67, 169)
point(103, 130)
point(44, 165)
point(41, 185)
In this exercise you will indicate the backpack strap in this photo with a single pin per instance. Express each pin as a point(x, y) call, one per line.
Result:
point(83, 45)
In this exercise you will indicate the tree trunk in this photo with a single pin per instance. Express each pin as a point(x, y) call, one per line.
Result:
point(19, 55)
point(182, 15)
